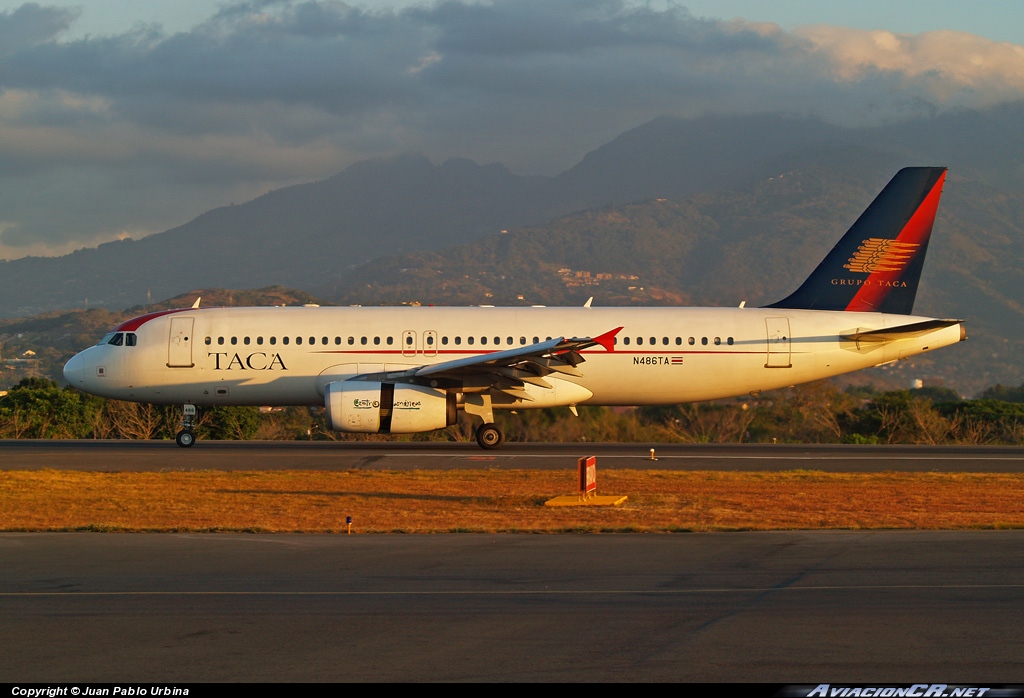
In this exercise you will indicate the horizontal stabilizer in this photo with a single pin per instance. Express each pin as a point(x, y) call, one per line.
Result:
point(887, 334)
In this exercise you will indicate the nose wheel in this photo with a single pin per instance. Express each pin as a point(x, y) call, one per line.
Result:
point(187, 436)
point(490, 436)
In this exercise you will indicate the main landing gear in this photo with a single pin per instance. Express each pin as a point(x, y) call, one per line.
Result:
point(490, 436)
point(187, 436)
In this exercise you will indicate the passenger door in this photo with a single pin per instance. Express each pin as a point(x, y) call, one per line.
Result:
point(179, 346)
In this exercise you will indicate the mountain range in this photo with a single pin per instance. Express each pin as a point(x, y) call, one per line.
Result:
point(714, 210)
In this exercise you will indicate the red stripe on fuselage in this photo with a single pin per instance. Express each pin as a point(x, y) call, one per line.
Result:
point(879, 284)
point(137, 322)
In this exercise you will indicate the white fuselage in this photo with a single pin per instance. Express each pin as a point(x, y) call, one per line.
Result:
point(286, 356)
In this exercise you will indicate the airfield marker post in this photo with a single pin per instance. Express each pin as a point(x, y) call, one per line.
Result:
point(586, 495)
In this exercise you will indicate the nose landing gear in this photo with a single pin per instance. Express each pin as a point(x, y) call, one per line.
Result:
point(187, 436)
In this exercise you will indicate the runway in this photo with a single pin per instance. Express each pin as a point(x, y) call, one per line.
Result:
point(318, 455)
point(792, 607)
point(779, 607)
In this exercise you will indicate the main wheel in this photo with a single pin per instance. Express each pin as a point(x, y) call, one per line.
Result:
point(185, 438)
point(489, 436)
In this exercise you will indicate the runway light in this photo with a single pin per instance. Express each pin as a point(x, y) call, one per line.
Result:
point(652, 455)
point(348, 520)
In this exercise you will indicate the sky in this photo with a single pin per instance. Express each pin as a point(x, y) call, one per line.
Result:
point(121, 119)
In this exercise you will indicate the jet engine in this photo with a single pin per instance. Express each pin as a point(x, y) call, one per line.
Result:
point(387, 408)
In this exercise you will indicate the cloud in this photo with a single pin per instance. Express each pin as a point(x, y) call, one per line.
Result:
point(143, 130)
point(32, 24)
point(949, 66)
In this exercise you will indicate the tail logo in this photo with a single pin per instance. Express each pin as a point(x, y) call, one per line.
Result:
point(880, 254)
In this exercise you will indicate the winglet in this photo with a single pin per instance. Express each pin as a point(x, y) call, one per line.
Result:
point(196, 304)
point(607, 340)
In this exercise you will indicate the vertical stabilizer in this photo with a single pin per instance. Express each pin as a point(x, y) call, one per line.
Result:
point(877, 265)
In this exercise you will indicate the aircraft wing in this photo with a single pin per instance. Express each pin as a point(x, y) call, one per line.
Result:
point(509, 370)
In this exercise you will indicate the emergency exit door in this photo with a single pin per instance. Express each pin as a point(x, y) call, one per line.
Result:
point(779, 343)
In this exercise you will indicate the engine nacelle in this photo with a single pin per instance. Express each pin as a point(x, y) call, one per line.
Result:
point(387, 408)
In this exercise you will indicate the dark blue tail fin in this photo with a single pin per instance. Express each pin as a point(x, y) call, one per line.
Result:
point(877, 264)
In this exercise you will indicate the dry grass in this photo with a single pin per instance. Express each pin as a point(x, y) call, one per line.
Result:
point(493, 501)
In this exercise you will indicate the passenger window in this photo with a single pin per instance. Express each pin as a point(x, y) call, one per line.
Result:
point(690, 341)
point(220, 340)
point(718, 340)
point(337, 341)
point(729, 341)
point(362, 340)
point(625, 340)
point(679, 341)
point(376, 341)
point(664, 340)
point(497, 341)
point(654, 340)
point(444, 341)
point(312, 340)
point(351, 340)
point(259, 340)
point(469, 340)
point(390, 341)
point(298, 340)
point(234, 340)
point(483, 340)
point(285, 340)
point(323, 340)
point(639, 341)
point(458, 341)
point(245, 341)
point(408, 341)
point(704, 341)
point(430, 340)
point(208, 340)
point(522, 340)
point(273, 341)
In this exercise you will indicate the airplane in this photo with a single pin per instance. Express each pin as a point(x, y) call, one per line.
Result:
point(398, 370)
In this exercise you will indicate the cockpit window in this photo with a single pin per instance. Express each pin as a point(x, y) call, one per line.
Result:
point(119, 339)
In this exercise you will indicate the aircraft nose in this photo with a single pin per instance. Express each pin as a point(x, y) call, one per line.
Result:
point(74, 371)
